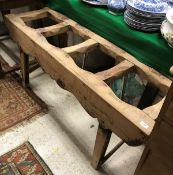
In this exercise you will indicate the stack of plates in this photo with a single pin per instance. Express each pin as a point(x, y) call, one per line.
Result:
point(145, 15)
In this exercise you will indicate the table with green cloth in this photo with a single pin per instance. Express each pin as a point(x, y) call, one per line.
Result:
point(149, 48)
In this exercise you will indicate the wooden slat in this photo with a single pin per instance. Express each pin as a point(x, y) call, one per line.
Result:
point(54, 30)
point(83, 47)
point(116, 71)
point(56, 16)
point(37, 14)
point(9, 52)
point(4, 37)
point(78, 32)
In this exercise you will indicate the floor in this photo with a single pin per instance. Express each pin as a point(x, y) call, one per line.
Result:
point(64, 137)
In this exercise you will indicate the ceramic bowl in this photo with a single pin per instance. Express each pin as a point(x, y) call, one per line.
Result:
point(170, 3)
point(167, 28)
point(116, 6)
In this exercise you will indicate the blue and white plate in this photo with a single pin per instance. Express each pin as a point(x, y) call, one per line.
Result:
point(144, 14)
point(140, 24)
point(95, 2)
point(143, 19)
point(141, 28)
point(151, 6)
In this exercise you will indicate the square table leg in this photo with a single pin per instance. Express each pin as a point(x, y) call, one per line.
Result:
point(1, 71)
point(24, 62)
point(101, 144)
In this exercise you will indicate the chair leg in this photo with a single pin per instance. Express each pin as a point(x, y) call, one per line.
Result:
point(1, 71)
point(24, 61)
point(101, 144)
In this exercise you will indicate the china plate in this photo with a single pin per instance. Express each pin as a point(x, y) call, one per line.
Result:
point(141, 19)
point(143, 13)
point(150, 6)
point(141, 28)
point(94, 2)
point(141, 24)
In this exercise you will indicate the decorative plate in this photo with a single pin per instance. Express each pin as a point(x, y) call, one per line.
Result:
point(151, 6)
point(141, 24)
point(142, 19)
point(144, 14)
point(141, 28)
point(95, 2)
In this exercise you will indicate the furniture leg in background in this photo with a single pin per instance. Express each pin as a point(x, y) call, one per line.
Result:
point(6, 69)
point(1, 71)
point(24, 62)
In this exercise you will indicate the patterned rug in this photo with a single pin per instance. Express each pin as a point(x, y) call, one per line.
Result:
point(16, 103)
point(23, 160)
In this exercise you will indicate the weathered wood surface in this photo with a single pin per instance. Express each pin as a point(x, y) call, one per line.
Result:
point(117, 71)
point(83, 47)
point(128, 122)
point(53, 30)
